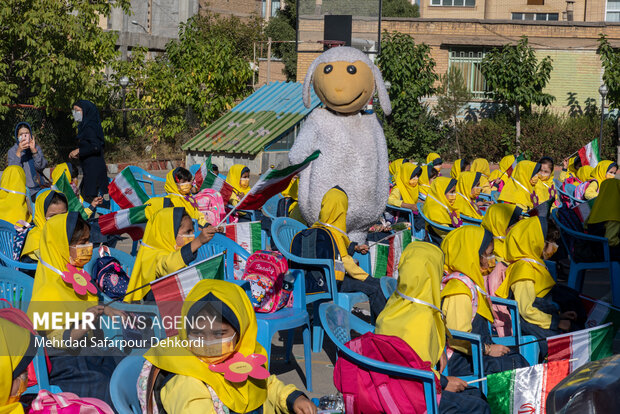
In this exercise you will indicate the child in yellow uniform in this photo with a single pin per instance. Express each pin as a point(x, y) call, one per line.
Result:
point(405, 193)
point(239, 178)
point(604, 170)
point(544, 187)
point(604, 219)
point(467, 191)
point(440, 205)
point(570, 168)
point(412, 313)
point(499, 177)
point(71, 172)
point(498, 219)
point(428, 175)
point(519, 189)
point(528, 243)
point(49, 203)
point(333, 218)
point(13, 200)
point(394, 168)
point(481, 165)
point(459, 166)
point(220, 323)
point(168, 245)
point(468, 254)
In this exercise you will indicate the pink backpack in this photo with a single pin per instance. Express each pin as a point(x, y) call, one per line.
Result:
point(265, 270)
point(367, 391)
point(580, 191)
point(211, 205)
point(67, 403)
point(502, 320)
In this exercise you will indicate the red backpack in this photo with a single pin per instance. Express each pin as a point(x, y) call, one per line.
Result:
point(368, 392)
point(265, 270)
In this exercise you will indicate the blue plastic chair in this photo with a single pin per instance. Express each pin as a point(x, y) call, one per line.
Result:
point(568, 194)
point(575, 275)
point(495, 196)
point(338, 323)
point(388, 286)
point(283, 229)
point(270, 208)
point(40, 369)
point(123, 385)
point(471, 220)
point(7, 234)
point(144, 178)
point(288, 319)
point(420, 235)
point(194, 168)
point(477, 361)
point(222, 244)
point(15, 288)
point(434, 225)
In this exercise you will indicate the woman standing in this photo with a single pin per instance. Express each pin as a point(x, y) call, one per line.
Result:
point(27, 154)
point(90, 150)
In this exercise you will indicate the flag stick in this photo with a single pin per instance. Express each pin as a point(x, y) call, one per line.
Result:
point(241, 201)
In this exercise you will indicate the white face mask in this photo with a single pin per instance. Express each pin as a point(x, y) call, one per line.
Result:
point(77, 115)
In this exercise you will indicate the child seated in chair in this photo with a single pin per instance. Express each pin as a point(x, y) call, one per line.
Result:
point(604, 219)
point(333, 218)
point(168, 245)
point(220, 325)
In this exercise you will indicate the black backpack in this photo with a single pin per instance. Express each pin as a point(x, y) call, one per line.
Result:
point(314, 243)
point(284, 206)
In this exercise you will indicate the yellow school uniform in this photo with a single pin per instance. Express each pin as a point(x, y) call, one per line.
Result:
point(583, 174)
point(394, 168)
point(599, 174)
point(465, 204)
point(187, 391)
point(419, 324)
point(518, 189)
point(571, 170)
point(500, 173)
point(233, 178)
point(527, 276)
point(291, 191)
point(461, 249)
point(31, 245)
point(158, 255)
point(437, 208)
point(13, 200)
point(432, 157)
point(425, 179)
point(178, 200)
point(606, 209)
point(543, 187)
point(17, 348)
point(457, 169)
point(333, 218)
point(404, 191)
point(481, 165)
point(497, 220)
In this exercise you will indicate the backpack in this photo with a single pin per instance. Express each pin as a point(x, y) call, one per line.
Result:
point(365, 391)
point(317, 243)
point(284, 205)
point(110, 277)
point(502, 322)
point(265, 271)
point(19, 239)
point(211, 205)
point(580, 191)
point(67, 403)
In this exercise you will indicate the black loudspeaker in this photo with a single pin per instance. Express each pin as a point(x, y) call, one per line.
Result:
point(338, 27)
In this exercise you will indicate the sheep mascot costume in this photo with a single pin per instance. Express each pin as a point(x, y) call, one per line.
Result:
point(353, 149)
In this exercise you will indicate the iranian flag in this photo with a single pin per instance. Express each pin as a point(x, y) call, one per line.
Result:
point(202, 173)
point(246, 235)
point(582, 346)
point(583, 209)
point(126, 191)
point(384, 257)
point(170, 291)
point(216, 183)
point(512, 167)
point(524, 390)
point(64, 186)
point(600, 313)
point(131, 221)
point(589, 153)
point(273, 182)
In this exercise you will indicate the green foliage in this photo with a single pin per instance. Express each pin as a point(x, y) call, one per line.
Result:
point(54, 52)
point(516, 77)
point(452, 94)
point(610, 59)
point(409, 68)
point(281, 28)
point(399, 8)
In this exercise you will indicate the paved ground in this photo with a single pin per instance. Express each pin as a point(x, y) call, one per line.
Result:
point(596, 285)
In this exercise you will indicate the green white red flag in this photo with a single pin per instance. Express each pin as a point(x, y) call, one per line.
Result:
point(202, 172)
point(126, 191)
point(211, 180)
point(589, 153)
point(247, 235)
point(524, 390)
point(273, 182)
point(583, 346)
point(384, 257)
point(64, 186)
point(600, 313)
point(131, 221)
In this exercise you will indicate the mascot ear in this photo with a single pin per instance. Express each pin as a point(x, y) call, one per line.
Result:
point(384, 98)
point(308, 83)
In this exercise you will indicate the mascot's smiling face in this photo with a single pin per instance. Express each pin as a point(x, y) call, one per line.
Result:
point(344, 87)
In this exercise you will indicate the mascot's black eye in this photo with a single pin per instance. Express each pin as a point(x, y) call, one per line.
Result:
point(327, 69)
point(351, 69)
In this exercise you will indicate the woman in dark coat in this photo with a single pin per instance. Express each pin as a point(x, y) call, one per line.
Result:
point(90, 150)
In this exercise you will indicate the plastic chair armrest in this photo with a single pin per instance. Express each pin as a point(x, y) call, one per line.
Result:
point(19, 265)
point(299, 289)
point(476, 349)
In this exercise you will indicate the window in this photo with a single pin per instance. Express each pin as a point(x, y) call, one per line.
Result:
point(536, 16)
point(275, 6)
point(613, 11)
point(454, 3)
point(468, 60)
point(535, 2)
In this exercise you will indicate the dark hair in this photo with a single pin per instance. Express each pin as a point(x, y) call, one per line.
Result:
point(546, 160)
point(181, 174)
point(81, 227)
point(73, 169)
point(451, 185)
point(215, 168)
point(178, 215)
point(553, 232)
point(536, 169)
point(464, 163)
point(432, 173)
point(416, 172)
point(577, 162)
point(57, 198)
point(245, 170)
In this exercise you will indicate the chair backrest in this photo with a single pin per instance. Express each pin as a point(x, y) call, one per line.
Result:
point(16, 288)
point(7, 234)
point(388, 286)
point(127, 261)
point(194, 168)
point(123, 385)
point(432, 223)
point(270, 208)
point(283, 229)
point(471, 220)
point(338, 323)
point(220, 244)
point(143, 177)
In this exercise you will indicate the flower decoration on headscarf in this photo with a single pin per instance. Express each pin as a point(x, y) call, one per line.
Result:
point(238, 368)
point(552, 192)
point(455, 219)
point(535, 199)
point(79, 280)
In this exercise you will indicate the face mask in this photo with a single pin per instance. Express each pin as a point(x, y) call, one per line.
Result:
point(23, 385)
point(185, 188)
point(451, 197)
point(83, 254)
point(414, 181)
point(534, 180)
point(187, 238)
point(212, 352)
point(437, 167)
point(544, 176)
point(244, 182)
point(547, 253)
point(475, 192)
point(610, 175)
point(77, 115)
point(491, 263)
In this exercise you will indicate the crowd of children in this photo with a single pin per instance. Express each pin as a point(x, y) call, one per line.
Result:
point(445, 283)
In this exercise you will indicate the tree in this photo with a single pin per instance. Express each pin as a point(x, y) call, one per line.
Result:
point(409, 68)
point(452, 95)
point(610, 60)
point(516, 77)
point(54, 52)
point(282, 27)
point(399, 8)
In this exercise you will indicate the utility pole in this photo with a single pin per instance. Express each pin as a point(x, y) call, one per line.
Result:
point(268, 60)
